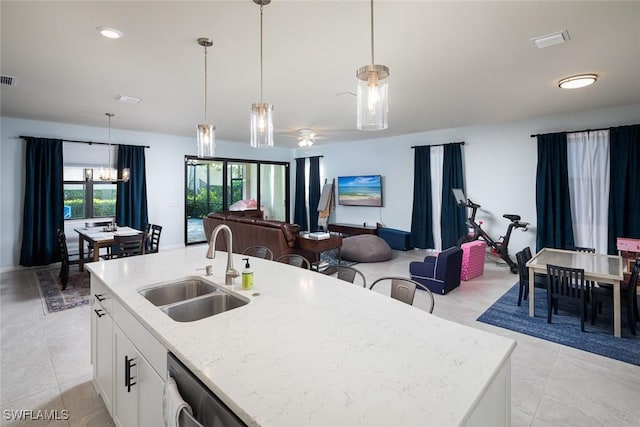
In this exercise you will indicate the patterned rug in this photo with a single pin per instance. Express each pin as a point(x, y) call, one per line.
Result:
point(54, 299)
point(565, 326)
point(331, 258)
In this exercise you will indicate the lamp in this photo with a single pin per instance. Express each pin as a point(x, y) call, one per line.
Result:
point(206, 140)
point(575, 82)
point(107, 175)
point(261, 112)
point(372, 93)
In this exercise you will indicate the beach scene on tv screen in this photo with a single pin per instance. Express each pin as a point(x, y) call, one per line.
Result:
point(364, 190)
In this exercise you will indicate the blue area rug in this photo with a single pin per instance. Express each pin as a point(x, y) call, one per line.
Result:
point(54, 298)
point(565, 326)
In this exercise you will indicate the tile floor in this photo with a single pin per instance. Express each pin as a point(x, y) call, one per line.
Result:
point(45, 360)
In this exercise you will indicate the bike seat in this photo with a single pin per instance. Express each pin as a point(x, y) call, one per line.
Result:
point(512, 217)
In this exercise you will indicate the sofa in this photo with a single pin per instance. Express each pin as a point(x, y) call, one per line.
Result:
point(278, 236)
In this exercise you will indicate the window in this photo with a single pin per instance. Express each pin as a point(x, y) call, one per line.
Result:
point(87, 199)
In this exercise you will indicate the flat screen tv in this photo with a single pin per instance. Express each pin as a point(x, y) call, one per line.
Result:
point(360, 190)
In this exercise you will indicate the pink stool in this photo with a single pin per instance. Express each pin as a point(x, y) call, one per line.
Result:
point(473, 259)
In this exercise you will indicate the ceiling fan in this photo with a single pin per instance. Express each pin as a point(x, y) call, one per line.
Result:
point(306, 137)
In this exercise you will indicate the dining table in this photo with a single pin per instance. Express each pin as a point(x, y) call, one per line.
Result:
point(99, 237)
point(597, 268)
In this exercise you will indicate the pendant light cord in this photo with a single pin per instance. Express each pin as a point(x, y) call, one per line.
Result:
point(261, 6)
point(110, 115)
point(205, 84)
point(372, 61)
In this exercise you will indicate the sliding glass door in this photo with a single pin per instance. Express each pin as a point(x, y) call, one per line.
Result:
point(216, 185)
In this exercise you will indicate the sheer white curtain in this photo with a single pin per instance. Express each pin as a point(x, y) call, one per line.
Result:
point(588, 167)
point(437, 159)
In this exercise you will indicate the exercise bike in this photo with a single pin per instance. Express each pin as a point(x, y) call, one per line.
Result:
point(499, 247)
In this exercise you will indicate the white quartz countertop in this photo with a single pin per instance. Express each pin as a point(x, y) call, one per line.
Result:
point(310, 350)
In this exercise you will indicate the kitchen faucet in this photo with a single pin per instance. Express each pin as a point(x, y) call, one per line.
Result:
point(231, 272)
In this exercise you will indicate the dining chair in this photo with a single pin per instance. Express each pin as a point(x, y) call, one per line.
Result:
point(523, 275)
point(259, 252)
point(349, 274)
point(565, 284)
point(66, 259)
point(629, 297)
point(404, 289)
point(93, 224)
point(152, 238)
point(295, 260)
point(129, 245)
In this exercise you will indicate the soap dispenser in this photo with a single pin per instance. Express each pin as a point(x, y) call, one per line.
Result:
point(247, 275)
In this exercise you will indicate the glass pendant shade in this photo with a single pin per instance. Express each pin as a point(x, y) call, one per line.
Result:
point(261, 125)
point(372, 97)
point(206, 140)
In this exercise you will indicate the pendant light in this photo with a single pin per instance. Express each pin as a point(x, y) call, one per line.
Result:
point(206, 140)
point(372, 93)
point(108, 174)
point(261, 112)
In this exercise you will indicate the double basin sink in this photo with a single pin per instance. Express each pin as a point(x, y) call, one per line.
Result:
point(192, 299)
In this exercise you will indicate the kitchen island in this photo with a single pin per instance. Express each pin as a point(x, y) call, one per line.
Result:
point(307, 350)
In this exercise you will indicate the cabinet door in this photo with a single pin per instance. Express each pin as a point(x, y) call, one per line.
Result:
point(102, 355)
point(150, 388)
point(125, 412)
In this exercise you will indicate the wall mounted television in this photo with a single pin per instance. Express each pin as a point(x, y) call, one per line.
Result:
point(360, 190)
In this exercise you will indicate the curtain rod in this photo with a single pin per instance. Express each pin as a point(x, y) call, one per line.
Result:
point(573, 131)
point(80, 142)
point(438, 145)
point(310, 157)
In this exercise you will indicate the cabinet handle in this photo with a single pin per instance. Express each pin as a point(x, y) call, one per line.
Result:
point(128, 379)
point(100, 297)
point(100, 312)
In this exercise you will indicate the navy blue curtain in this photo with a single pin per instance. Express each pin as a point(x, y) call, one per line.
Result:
point(131, 197)
point(314, 192)
point(453, 218)
point(553, 205)
point(624, 193)
point(421, 217)
point(43, 202)
point(299, 207)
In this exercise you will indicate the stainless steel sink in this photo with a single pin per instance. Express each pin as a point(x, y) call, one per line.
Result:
point(177, 291)
point(205, 306)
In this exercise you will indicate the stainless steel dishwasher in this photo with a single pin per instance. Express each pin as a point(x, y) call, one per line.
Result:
point(208, 410)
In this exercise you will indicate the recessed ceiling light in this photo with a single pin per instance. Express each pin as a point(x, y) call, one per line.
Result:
point(110, 33)
point(575, 82)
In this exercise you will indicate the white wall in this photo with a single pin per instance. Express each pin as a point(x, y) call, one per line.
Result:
point(164, 164)
point(499, 162)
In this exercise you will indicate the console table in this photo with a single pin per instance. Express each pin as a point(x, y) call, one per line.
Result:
point(317, 246)
point(353, 228)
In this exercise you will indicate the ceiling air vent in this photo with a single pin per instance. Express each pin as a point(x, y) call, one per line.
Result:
point(128, 99)
point(552, 39)
point(7, 80)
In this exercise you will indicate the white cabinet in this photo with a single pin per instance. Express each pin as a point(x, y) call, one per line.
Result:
point(138, 388)
point(129, 364)
point(102, 344)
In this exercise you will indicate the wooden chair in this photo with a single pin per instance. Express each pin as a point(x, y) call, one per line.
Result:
point(295, 260)
point(349, 274)
point(66, 259)
point(404, 289)
point(152, 238)
point(259, 252)
point(565, 283)
point(523, 274)
point(125, 246)
point(629, 294)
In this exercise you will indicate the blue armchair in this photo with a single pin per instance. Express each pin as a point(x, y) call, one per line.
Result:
point(440, 274)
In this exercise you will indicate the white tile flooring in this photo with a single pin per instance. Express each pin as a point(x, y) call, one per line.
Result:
point(45, 360)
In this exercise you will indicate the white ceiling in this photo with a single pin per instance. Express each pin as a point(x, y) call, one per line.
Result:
point(452, 63)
